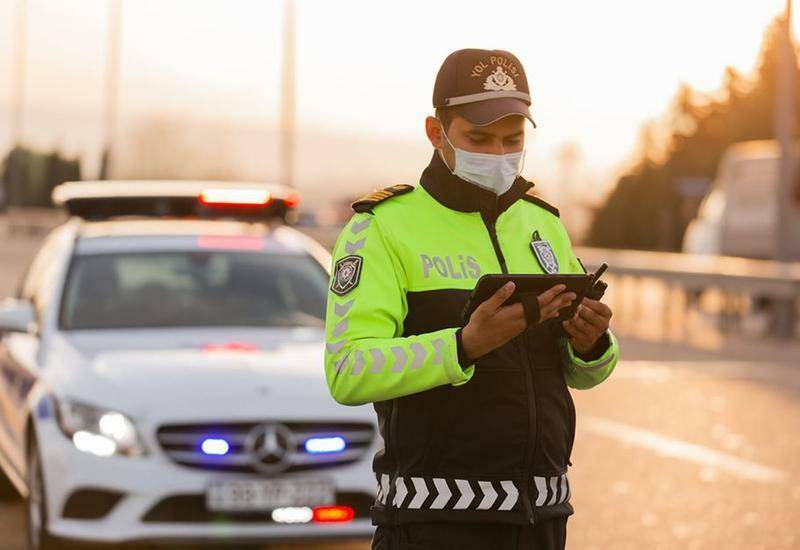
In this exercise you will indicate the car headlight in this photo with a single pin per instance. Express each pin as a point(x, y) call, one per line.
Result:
point(102, 432)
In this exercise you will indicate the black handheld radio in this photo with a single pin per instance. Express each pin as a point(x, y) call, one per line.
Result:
point(596, 292)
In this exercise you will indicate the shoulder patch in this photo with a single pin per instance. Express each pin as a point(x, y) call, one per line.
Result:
point(531, 197)
point(365, 203)
point(346, 274)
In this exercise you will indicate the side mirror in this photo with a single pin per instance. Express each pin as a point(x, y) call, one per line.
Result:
point(16, 315)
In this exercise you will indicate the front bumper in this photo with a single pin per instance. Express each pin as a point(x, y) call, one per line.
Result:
point(233, 535)
point(144, 483)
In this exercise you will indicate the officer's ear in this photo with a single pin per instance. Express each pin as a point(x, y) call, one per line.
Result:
point(433, 129)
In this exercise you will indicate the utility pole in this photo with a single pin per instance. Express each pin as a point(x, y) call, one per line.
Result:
point(287, 115)
point(110, 115)
point(11, 186)
point(785, 132)
point(20, 54)
point(569, 158)
point(785, 99)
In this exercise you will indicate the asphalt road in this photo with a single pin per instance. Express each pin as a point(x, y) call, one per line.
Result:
point(679, 449)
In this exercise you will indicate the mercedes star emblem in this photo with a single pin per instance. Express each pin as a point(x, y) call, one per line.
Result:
point(270, 445)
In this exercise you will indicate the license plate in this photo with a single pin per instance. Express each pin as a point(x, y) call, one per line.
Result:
point(268, 494)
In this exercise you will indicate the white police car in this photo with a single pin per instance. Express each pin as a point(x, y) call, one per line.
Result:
point(161, 375)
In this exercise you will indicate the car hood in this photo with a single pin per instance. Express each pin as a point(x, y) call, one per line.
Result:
point(201, 375)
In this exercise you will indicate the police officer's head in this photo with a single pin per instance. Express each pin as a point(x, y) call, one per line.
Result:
point(481, 99)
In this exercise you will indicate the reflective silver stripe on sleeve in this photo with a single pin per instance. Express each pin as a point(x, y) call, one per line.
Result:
point(350, 248)
point(419, 354)
point(377, 360)
point(358, 227)
point(340, 328)
point(335, 347)
point(400, 359)
point(340, 310)
point(438, 346)
point(358, 362)
point(460, 100)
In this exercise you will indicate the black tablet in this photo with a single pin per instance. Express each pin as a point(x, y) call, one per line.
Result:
point(487, 285)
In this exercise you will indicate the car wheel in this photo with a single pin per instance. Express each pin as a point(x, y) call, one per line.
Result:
point(36, 509)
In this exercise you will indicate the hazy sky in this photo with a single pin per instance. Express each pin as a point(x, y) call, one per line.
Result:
point(597, 70)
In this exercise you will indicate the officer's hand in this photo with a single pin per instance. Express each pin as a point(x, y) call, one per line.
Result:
point(492, 324)
point(588, 324)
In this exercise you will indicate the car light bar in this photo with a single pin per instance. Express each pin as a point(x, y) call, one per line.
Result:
point(235, 197)
point(325, 445)
point(100, 200)
point(215, 446)
point(230, 346)
point(333, 514)
point(292, 200)
point(292, 514)
point(320, 514)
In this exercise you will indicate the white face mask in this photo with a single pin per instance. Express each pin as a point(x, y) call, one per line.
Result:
point(493, 172)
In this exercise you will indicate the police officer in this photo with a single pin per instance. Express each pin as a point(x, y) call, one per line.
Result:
point(476, 418)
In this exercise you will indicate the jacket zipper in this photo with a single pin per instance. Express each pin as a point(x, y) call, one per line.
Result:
point(390, 436)
point(490, 225)
point(571, 404)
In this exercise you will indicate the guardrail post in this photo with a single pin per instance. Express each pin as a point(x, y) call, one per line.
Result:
point(784, 318)
point(666, 312)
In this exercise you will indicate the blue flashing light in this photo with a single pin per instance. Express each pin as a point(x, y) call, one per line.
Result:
point(325, 445)
point(215, 446)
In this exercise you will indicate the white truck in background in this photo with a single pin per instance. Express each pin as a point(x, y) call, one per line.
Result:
point(738, 216)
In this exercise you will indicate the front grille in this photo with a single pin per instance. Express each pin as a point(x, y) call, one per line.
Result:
point(192, 509)
point(182, 443)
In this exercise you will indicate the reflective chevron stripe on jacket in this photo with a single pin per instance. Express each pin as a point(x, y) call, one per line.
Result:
point(437, 493)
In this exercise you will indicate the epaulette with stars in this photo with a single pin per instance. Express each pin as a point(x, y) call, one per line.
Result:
point(368, 201)
point(536, 199)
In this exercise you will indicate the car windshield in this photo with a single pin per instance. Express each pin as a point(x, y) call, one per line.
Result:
point(192, 289)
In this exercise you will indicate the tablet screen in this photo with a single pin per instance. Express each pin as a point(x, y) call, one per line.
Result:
point(529, 284)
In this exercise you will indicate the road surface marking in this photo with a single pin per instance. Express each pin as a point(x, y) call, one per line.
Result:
point(676, 448)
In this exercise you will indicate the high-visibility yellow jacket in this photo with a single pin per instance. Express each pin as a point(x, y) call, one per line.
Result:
point(488, 441)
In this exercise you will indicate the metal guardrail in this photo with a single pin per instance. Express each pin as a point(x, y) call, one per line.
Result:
point(775, 283)
point(776, 279)
point(30, 220)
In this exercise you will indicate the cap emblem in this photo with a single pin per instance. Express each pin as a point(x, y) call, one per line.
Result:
point(499, 81)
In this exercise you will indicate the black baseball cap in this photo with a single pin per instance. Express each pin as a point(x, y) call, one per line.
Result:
point(483, 86)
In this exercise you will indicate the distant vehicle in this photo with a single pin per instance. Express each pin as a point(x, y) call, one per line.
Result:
point(161, 375)
point(738, 217)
